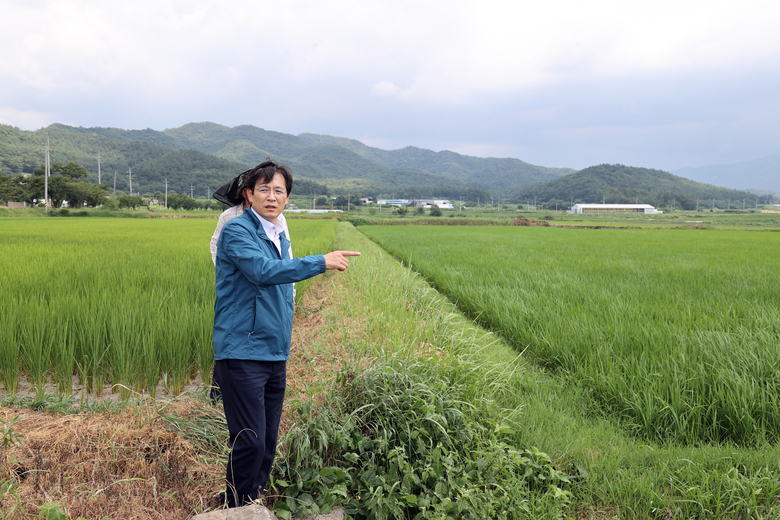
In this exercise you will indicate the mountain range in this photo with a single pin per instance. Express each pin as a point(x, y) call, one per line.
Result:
point(206, 155)
point(199, 157)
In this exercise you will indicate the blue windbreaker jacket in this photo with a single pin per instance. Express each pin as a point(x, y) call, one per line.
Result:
point(253, 312)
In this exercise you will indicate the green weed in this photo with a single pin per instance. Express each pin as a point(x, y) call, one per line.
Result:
point(402, 443)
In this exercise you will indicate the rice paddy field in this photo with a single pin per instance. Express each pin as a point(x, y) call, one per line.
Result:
point(643, 361)
point(673, 333)
point(123, 302)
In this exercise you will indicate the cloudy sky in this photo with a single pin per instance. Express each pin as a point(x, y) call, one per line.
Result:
point(661, 84)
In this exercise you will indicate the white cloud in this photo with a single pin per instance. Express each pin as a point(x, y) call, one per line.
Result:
point(445, 51)
point(24, 119)
point(320, 66)
point(384, 88)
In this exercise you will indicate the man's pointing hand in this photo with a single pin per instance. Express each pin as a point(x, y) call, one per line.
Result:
point(338, 259)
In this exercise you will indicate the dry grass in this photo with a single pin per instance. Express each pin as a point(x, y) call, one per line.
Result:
point(127, 463)
point(102, 464)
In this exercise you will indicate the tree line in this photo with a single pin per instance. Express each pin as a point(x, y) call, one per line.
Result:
point(66, 182)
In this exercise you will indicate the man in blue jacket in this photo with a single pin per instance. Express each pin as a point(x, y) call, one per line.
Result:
point(253, 315)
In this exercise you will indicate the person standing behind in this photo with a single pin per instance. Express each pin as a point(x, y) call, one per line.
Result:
point(253, 315)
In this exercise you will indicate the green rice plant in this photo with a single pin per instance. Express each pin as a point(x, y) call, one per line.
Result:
point(675, 332)
point(175, 350)
point(205, 348)
point(35, 347)
point(119, 301)
point(10, 354)
point(63, 351)
point(92, 352)
point(310, 237)
point(124, 344)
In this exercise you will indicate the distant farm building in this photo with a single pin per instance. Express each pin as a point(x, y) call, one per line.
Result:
point(418, 203)
point(429, 203)
point(394, 202)
point(614, 208)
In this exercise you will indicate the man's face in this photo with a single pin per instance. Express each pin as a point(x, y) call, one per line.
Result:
point(269, 200)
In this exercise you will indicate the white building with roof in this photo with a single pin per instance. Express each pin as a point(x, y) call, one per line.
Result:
point(646, 209)
point(429, 203)
point(393, 202)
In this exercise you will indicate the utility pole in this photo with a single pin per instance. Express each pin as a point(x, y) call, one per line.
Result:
point(114, 184)
point(130, 174)
point(697, 204)
point(46, 174)
point(166, 193)
point(98, 166)
point(191, 191)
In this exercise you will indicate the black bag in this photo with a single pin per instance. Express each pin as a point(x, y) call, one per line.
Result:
point(230, 193)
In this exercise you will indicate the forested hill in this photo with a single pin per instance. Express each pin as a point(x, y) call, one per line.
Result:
point(23, 152)
point(250, 145)
point(343, 165)
point(619, 184)
point(493, 172)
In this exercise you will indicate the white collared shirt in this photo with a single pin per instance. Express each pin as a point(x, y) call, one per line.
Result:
point(273, 231)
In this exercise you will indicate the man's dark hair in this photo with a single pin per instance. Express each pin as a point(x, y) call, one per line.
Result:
point(264, 173)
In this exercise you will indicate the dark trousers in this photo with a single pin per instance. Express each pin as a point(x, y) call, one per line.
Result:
point(252, 395)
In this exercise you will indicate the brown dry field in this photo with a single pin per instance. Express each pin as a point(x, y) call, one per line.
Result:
point(128, 462)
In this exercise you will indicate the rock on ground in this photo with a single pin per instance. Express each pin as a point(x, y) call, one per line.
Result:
point(258, 512)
